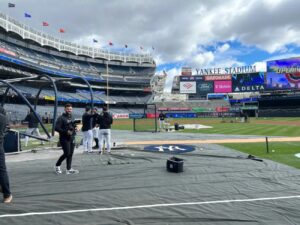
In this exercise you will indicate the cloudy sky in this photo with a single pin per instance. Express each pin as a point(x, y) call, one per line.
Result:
point(195, 33)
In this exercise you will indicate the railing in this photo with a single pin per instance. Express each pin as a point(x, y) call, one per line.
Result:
point(27, 32)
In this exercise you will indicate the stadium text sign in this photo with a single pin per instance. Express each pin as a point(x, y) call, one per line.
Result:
point(226, 70)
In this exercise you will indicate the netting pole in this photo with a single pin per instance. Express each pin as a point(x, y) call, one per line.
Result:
point(267, 144)
point(155, 118)
point(134, 130)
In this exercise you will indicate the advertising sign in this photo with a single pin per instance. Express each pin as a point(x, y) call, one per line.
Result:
point(191, 78)
point(120, 115)
point(222, 86)
point(136, 115)
point(187, 87)
point(205, 87)
point(217, 77)
point(248, 82)
point(7, 52)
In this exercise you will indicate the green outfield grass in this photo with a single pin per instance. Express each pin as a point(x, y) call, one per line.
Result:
point(282, 152)
point(260, 126)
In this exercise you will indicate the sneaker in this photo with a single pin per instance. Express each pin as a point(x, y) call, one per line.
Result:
point(90, 152)
point(57, 170)
point(72, 171)
point(8, 199)
point(100, 152)
point(95, 147)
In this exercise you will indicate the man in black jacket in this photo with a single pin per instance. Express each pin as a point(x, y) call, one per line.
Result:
point(104, 121)
point(87, 130)
point(66, 128)
point(4, 181)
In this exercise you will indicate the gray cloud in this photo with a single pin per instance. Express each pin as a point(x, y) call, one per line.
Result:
point(176, 28)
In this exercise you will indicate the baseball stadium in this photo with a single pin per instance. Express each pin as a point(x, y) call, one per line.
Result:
point(226, 149)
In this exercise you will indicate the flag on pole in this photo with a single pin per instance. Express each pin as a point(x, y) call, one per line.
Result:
point(61, 30)
point(27, 15)
point(126, 46)
point(11, 5)
point(95, 41)
point(45, 24)
point(110, 43)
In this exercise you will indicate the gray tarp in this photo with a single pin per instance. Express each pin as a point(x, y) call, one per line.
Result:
point(218, 185)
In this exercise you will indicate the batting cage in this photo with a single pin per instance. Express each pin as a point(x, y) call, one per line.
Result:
point(146, 121)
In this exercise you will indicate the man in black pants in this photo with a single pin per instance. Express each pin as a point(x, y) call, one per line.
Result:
point(66, 128)
point(4, 181)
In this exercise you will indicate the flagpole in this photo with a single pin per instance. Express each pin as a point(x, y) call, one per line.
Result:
point(42, 36)
point(7, 19)
point(124, 49)
point(10, 5)
point(93, 49)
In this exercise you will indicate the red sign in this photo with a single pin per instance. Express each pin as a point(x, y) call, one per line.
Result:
point(162, 109)
point(7, 52)
point(217, 77)
point(222, 86)
point(151, 115)
point(147, 89)
point(222, 109)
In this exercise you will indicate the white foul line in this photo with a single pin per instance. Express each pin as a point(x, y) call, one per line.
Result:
point(148, 206)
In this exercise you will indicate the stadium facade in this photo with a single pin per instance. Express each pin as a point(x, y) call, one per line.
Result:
point(244, 90)
point(236, 91)
point(119, 79)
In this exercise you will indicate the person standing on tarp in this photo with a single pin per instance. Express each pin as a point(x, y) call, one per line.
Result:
point(161, 120)
point(87, 130)
point(33, 126)
point(66, 128)
point(104, 121)
point(4, 180)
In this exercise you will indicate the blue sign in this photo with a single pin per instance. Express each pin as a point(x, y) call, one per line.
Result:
point(136, 115)
point(172, 149)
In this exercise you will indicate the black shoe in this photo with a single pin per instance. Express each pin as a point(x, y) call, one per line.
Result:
point(95, 147)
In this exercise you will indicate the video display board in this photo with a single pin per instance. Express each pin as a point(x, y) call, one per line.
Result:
point(279, 81)
point(283, 74)
point(283, 66)
point(248, 82)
